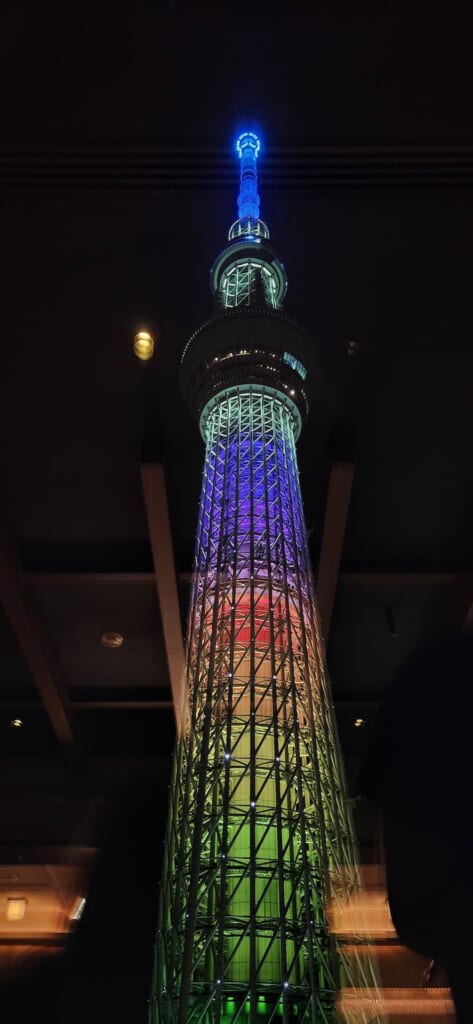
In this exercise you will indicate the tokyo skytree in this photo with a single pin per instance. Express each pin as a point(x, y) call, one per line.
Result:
point(259, 846)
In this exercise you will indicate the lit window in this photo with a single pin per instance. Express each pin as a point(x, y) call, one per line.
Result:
point(295, 364)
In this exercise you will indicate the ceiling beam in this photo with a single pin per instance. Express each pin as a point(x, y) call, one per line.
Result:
point(27, 941)
point(151, 705)
point(336, 514)
point(45, 853)
point(363, 578)
point(24, 704)
point(62, 166)
point(398, 579)
point(32, 646)
point(157, 512)
point(122, 705)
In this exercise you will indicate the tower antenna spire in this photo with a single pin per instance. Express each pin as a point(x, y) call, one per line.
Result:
point(248, 146)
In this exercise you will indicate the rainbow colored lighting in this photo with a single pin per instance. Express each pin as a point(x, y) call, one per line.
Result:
point(259, 849)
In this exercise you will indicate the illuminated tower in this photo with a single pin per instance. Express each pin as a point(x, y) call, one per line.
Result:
point(259, 844)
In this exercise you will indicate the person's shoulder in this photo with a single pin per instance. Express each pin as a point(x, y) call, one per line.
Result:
point(425, 711)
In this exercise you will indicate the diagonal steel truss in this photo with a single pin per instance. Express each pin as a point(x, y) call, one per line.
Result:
point(259, 842)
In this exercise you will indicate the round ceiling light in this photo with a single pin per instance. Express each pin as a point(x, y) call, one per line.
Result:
point(143, 345)
point(112, 639)
point(16, 723)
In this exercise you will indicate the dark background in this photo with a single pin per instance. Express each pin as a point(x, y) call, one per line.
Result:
point(117, 187)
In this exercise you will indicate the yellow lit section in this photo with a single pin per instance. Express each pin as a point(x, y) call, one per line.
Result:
point(262, 831)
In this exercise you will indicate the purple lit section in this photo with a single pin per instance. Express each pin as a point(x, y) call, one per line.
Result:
point(251, 510)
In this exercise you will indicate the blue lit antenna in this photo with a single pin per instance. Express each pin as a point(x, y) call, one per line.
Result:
point(248, 146)
point(248, 271)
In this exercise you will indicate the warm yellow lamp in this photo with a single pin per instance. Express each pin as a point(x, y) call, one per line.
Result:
point(143, 345)
point(16, 908)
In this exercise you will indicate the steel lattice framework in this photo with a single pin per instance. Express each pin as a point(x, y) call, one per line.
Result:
point(259, 840)
point(259, 849)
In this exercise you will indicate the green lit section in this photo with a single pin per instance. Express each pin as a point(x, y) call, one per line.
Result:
point(241, 281)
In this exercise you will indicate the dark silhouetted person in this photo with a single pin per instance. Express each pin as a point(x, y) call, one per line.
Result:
point(419, 772)
point(104, 976)
point(108, 965)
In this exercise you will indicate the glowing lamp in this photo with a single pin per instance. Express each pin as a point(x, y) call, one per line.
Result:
point(143, 346)
point(16, 908)
point(112, 639)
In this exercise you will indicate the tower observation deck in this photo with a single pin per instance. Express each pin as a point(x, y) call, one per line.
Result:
point(259, 845)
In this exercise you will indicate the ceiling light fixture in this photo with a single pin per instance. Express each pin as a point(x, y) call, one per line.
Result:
point(352, 346)
point(111, 639)
point(359, 723)
point(143, 345)
point(16, 908)
point(16, 723)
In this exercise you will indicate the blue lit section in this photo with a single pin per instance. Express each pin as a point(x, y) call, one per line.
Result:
point(255, 433)
point(248, 146)
point(248, 268)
